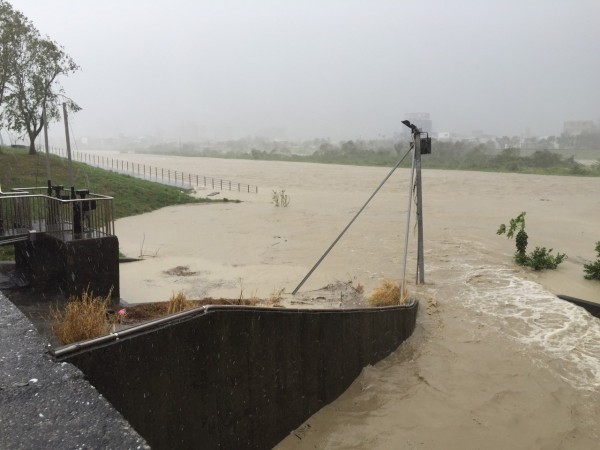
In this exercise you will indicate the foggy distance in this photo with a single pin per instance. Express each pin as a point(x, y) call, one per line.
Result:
point(200, 71)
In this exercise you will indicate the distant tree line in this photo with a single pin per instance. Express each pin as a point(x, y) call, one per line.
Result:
point(457, 155)
point(30, 70)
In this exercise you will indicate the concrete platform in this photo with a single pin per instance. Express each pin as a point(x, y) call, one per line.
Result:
point(49, 405)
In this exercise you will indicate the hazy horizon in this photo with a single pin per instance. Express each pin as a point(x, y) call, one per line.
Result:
point(199, 70)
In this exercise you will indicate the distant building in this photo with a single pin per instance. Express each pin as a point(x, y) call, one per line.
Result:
point(575, 127)
point(421, 120)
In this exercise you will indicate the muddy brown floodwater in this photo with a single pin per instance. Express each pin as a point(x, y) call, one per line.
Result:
point(496, 362)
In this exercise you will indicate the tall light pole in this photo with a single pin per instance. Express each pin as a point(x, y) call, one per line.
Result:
point(421, 146)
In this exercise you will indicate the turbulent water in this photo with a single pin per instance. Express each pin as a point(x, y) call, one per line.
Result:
point(496, 362)
point(558, 334)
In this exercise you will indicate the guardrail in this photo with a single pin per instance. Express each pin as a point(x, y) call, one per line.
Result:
point(27, 210)
point(156, 174)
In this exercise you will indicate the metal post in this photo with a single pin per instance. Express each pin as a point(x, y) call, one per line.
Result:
point(48, 173)
point(349, 224)
point(407, 229)
point(70, 164)
point(420, 279)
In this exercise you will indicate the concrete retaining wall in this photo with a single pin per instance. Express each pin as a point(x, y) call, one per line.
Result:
point(238, 377)
point(73, 265)
point(591, 307)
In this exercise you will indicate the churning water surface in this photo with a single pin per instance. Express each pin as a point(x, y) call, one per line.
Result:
point(558, 334)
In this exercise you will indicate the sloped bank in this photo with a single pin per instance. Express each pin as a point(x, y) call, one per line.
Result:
point(236, 377)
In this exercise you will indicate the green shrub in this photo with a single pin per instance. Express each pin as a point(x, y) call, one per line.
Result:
point(540, 258)
point(592, 270)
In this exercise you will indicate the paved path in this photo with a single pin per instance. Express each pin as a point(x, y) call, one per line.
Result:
point(49, 405)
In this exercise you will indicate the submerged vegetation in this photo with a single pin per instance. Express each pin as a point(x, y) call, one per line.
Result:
point(592, 270)
point(280, 198)
point(541, 258)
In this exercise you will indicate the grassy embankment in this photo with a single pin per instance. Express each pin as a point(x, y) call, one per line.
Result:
point(132, 196)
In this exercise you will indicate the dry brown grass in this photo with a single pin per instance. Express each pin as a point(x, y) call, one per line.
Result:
point(83, 318)
point(388, 294)
point(177, 303)
point(359, 288)
point(276, 298)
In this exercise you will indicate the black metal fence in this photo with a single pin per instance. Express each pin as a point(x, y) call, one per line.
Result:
point(156, 174)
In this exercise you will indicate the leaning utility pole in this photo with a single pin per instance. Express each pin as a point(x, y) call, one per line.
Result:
point(68, 144)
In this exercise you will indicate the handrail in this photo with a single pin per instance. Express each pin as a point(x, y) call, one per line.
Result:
point(22, 211)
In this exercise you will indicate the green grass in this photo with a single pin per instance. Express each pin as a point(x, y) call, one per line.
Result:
point(132, 196)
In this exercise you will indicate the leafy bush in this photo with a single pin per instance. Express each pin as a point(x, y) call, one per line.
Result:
point(522, 238)
point(592, 270)
point(540, 258)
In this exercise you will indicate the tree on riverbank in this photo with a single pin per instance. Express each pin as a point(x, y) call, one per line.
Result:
point(30, 70)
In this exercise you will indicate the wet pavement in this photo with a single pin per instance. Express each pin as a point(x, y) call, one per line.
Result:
point(45, 404)
point(34, 303)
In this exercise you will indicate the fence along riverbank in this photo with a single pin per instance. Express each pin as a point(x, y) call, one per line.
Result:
point(154, 173)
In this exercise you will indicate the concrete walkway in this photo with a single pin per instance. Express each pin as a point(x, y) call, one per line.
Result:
point(49, 405)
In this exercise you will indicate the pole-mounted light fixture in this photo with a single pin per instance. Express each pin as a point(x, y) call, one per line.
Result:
point(409, 125)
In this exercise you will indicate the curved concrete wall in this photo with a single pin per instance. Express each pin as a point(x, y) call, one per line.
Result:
point(238, 377)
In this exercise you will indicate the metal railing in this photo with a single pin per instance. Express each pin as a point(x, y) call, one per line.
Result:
point(157, 174)
point(27, 210)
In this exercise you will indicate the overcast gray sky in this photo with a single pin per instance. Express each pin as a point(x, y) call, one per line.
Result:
point(343, 69)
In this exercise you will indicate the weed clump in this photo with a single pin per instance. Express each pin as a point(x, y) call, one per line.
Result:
point(280, 198)
point(388, 294)
point(177, 303)
point(83, 318)
point(275, 298)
